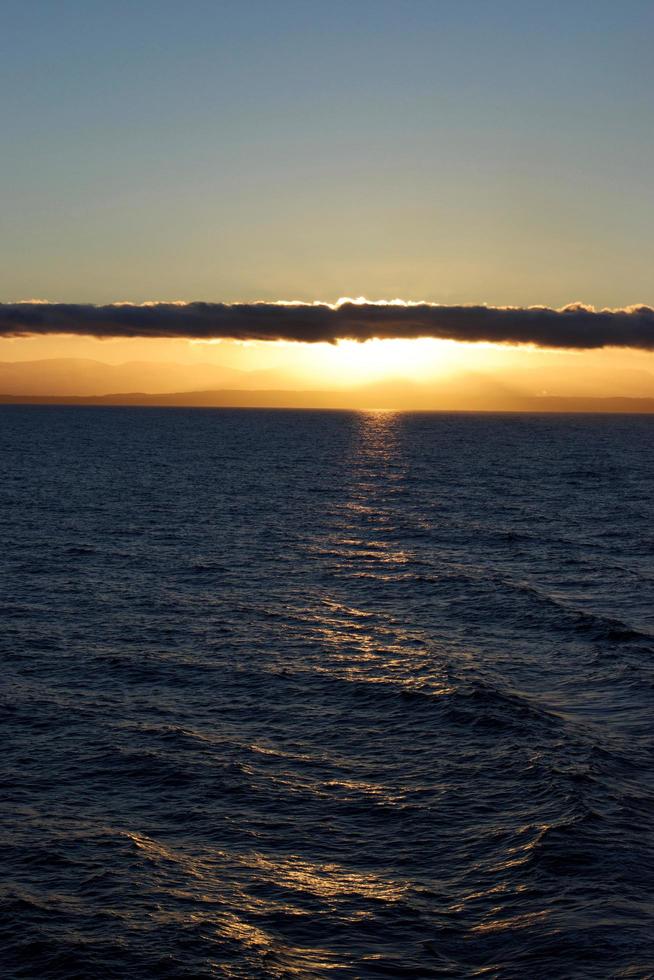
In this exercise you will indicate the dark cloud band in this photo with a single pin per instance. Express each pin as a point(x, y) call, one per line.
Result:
point(572, 327)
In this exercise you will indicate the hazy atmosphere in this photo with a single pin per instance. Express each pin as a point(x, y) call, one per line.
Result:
point(305, 152)
point(326, 510)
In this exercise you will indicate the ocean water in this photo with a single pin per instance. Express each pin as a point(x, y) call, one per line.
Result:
point(326, 694)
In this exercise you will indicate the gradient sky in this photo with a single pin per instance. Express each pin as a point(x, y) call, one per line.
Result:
point(464, 151)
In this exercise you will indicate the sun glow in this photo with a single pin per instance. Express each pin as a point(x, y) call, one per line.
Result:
point(351, 362)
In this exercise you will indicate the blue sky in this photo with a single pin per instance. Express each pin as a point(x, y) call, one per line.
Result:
point(462, 151)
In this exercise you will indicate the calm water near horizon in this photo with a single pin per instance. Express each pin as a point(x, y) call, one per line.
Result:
point(326, 694)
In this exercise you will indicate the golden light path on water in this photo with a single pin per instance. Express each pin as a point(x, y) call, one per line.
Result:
point(360, 647)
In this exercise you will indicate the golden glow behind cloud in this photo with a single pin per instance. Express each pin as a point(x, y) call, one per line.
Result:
point(424, 373)
point(190, 347)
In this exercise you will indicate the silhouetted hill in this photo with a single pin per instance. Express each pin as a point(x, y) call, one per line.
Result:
point(402, 397)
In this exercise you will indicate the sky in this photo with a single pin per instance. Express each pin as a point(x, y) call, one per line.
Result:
point(466, 152)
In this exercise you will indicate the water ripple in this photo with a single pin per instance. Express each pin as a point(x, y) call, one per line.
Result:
point(326, 695)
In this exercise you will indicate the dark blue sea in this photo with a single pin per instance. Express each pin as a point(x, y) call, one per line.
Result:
point(326, 694)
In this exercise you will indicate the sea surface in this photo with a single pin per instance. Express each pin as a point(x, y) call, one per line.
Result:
point(326, 694)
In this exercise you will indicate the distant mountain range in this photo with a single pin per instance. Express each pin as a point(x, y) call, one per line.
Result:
point(78, 381)
point(84, 376)
point(410, 398)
